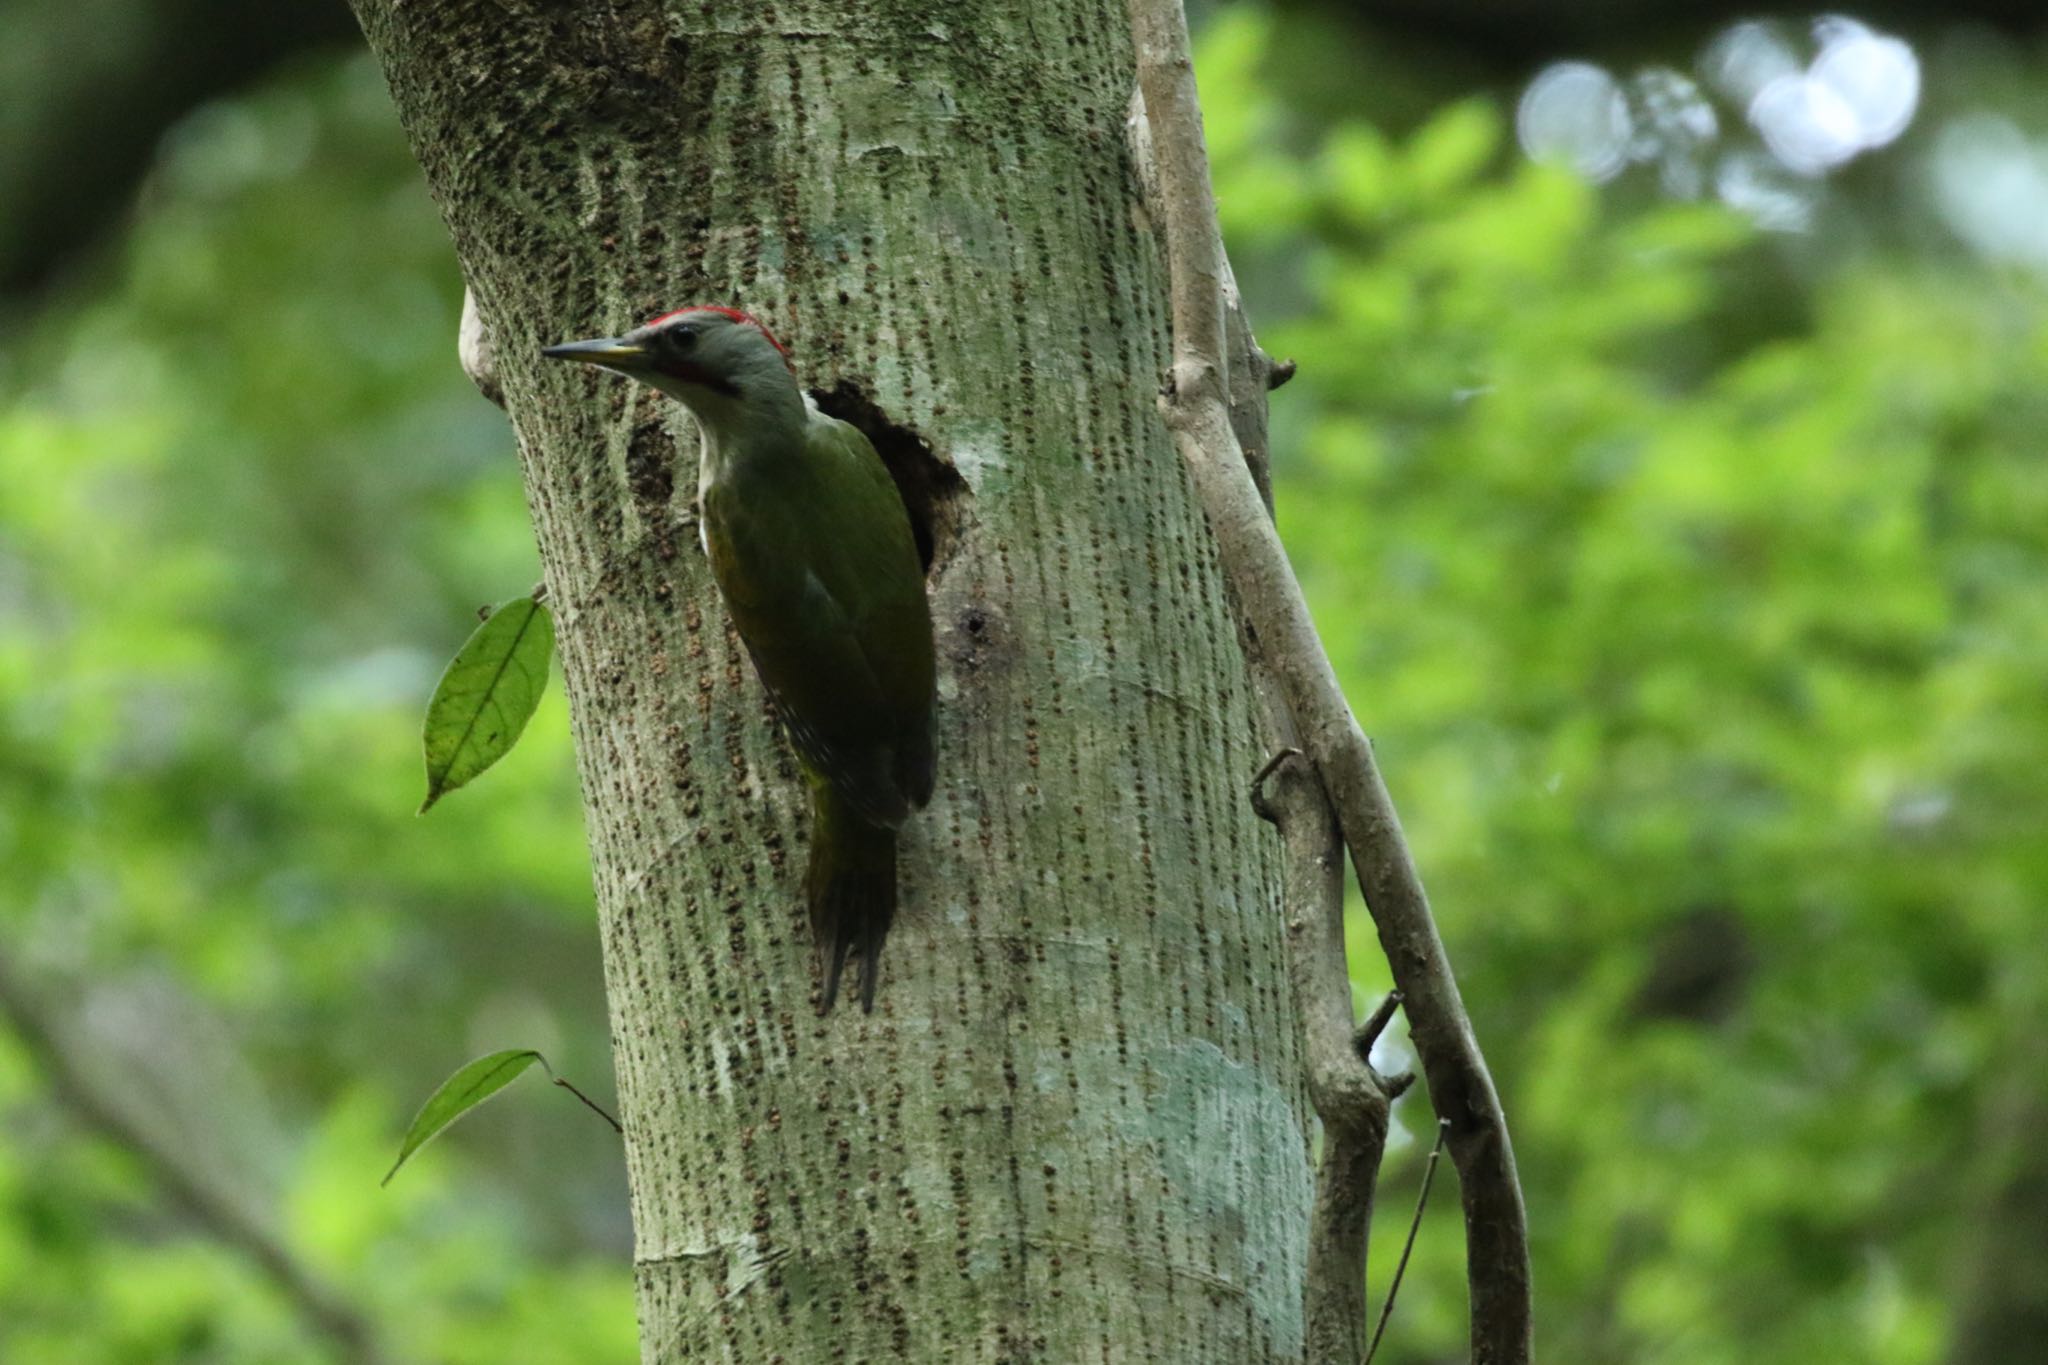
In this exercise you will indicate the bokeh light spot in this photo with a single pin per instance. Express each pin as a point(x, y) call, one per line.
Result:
point(1575, 113)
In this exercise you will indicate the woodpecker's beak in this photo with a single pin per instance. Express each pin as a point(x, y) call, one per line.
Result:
point(614, 353)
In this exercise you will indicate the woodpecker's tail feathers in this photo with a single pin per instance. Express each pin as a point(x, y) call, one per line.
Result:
point(851, 889)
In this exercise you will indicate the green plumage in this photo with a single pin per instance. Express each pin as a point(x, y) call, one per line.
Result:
point(812, 551)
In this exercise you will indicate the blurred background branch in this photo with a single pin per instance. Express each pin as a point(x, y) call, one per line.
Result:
point(218, 1210)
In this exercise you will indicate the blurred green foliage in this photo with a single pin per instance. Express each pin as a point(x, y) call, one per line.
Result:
point(1707, 663)
point(249, 510)
point(1693, 599)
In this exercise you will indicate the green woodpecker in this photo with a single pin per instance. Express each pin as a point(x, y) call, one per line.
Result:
point(811, 548)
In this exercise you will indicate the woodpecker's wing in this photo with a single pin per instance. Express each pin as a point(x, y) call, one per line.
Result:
point(815, 560)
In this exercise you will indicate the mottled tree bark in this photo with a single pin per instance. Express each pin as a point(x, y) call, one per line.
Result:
point(1074, 1129)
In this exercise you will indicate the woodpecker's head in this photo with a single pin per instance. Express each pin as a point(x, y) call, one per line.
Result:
point(717, 360)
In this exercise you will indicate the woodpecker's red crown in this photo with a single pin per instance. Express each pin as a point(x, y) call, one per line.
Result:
point(694, 353)
point(744, 319)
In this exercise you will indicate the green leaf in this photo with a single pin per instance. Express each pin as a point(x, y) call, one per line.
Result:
point(1450, 151)
point(1358, 172)
point(487, 695)
point(459, 1094)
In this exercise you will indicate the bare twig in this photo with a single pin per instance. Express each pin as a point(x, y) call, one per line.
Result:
point(592, 1105)
point(50, 1042)
point(1375, 1024)
point(1249, 375)
point(1408, 1247)
point(1196, 405)
point(1348, 1097)
point(1262, 805)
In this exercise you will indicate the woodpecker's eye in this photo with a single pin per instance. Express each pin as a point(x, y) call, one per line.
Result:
point(682, 338)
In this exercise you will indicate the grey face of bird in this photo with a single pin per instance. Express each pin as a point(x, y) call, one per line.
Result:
point(718, 362)
point(698, 355)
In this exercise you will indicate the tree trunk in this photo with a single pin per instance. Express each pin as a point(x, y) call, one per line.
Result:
point(1074, 1128)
